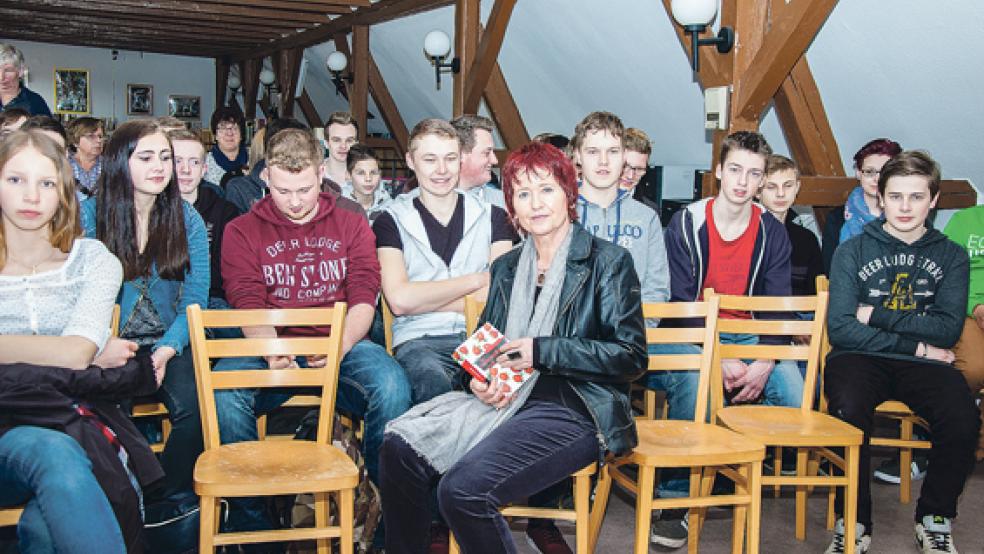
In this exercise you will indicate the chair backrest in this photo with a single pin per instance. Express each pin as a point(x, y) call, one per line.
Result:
point(823, 285)
point(114, 321)
point(204, 350)
point(700, 336)
point(785, 309)
point(387, 324)
point(473, 309)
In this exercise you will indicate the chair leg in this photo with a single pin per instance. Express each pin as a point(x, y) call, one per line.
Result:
point(851, 498)
point(740, 513)
point(905, 463)
point(603, 490)
point(453, 544)
point(831, 516)
point(777, 470)
point(346, 517)
point(706, 487)
point(693, 524)
point(801, 455)
point(644, 508)
point(582, 510)
point(321, 507)
point(208, 520)
point(754, 508)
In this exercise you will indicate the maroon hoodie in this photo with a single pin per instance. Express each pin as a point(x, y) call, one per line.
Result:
point(268, 261)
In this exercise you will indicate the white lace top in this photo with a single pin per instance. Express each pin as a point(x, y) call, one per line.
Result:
point(75, 299)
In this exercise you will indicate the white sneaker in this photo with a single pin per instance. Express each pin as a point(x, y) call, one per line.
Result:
point(862, 541)
point(933, 535)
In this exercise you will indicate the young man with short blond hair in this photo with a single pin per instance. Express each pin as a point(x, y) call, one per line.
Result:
point(341, 133)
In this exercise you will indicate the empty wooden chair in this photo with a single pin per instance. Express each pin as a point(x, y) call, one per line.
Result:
point(267, 468)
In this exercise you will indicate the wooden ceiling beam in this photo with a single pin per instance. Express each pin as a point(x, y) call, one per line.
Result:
point(131, 36)
point(379, 12)
point(221, 81)
point(793, 27)
point(359, 91)
point(309, 7)
point(466, 30)
point(387, 108)
point(309, 110)
point(249, 76)
point(288, 70)
point(487, 54)
point(504, 111)
point(804, 122)
point(833, 191)
point(183, 9)
point(169, 47)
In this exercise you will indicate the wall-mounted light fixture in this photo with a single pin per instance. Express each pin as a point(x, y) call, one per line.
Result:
point(694, 16)
point(437, 46)
point(337, 61)
point(233, 83)
point(268, 80)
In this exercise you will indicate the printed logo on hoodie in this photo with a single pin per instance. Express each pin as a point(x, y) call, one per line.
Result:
point(901, 281)
point(300, 273)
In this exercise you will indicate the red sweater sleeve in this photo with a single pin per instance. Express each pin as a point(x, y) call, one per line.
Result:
point(242, 276)
point(363, 281)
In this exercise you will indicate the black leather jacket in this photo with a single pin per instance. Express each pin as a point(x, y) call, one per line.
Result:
point(599, 341)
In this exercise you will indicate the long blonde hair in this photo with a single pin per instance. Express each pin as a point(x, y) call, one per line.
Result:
point(65, 226)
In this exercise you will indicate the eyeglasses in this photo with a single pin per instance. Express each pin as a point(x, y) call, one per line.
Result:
point(870, 172)
point(227, 129)
point(634, 170)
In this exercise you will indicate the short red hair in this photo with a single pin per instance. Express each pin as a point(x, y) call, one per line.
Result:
point(538, 157)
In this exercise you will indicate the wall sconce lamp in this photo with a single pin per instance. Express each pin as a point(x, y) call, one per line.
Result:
point(694, 16)
point(336, 64)
point(233, 83)
point(437, 46)
point(268, 80)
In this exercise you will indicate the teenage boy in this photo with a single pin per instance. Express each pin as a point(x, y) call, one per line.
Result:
point(477, 158)
point(246, 190)
point(366, 188)
point(189, 164)
point(898, 292)
point(296, 249)
point(610, 212)
point(732, 245)
point(434, 248)
point(778, 194)
point(341, 133)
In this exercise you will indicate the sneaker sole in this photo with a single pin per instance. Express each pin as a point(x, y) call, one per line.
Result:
point(666, 542)
point(887, 478)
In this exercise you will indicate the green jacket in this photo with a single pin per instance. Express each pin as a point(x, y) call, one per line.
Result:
point(966, 228)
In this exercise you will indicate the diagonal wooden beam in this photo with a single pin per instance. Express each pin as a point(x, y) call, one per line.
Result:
point(504, 112)
point(487, 54)
point(793, 29)
point(288, 70)
point(359, 91)
point(466, 30)
point(388, 109)
point(309, 110)
point(804, 122)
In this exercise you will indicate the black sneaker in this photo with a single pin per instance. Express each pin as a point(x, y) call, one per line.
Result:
point(888, 472)
point(933, 535)
point(862, 541)
point(670, 528)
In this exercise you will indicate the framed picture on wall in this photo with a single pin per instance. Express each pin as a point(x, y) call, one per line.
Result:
point(72, 91)
point(184, 107)
point(139, 99)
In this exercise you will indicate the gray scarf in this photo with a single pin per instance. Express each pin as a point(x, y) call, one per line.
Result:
point(445, 428)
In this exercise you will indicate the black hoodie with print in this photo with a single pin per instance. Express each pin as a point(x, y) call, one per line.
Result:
point(918, 291)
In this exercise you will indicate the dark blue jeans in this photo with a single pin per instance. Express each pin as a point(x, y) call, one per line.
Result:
point(429, 365)
point(542, 444)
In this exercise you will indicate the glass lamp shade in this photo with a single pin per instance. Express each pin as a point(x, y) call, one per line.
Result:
point(234, 82)
point(437, 44)
point(267, 77)
point(337, 62)
point(693, 12)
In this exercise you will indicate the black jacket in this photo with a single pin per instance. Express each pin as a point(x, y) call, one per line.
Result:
point(216, 212)
point(46, 397)
point(599, 341)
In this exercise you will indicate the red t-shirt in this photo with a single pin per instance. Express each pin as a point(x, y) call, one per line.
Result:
point(730, 262)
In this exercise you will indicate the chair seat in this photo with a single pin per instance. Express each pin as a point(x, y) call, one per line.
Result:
point(278, 467)
point(894, 407)
point(667, 443)
point(10, 516)
point(774, 425)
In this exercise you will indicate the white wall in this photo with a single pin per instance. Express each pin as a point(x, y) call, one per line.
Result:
point(108, 78)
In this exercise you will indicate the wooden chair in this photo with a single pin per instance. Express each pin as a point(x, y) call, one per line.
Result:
point(892, 409)
point(267, 468)
point(587, 519)
point(706, 448)
point(811, 433)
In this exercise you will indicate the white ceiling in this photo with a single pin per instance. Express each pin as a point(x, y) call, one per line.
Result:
point(906, 69)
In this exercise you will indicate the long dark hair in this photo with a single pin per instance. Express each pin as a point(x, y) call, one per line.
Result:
point(116, 222)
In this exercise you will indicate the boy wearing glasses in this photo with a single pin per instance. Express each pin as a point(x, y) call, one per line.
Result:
point(734, 246)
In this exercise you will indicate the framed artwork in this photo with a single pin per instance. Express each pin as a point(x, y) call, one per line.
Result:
point(139, 99)
point(72, 91)
point(185, 107)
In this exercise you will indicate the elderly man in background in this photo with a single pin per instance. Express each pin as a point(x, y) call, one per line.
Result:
point(13, 93)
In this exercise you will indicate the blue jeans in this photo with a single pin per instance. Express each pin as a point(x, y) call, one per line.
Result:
point(784, 388)
point(429, 365)
point(371, 386)
point(542, 444)
point(66, 509)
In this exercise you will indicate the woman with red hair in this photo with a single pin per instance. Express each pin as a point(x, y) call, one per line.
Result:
point(570, 306)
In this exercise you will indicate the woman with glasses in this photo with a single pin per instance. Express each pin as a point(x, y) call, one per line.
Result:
point(862, 204)
point(85, 140)
point(228, 154)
